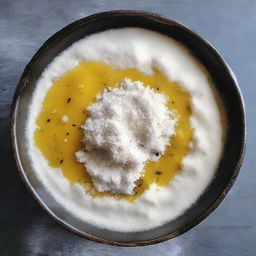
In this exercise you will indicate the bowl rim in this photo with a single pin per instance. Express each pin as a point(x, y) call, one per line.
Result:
point(153, 17)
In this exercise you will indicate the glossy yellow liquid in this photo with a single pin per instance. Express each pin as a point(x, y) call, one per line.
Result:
point(77, 89)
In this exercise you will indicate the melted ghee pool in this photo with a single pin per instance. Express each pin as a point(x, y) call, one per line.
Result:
point(77, 89)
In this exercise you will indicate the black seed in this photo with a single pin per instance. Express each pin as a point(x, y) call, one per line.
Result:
point(48, 120)
point(67, 133)
point(157, 88)
point(74, 125)
point(158, 173)
point(157, 154)
point(172, 101)
point(61, 161)
point(68, 100)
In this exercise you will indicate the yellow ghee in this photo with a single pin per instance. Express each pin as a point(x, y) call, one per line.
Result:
point(58, 139)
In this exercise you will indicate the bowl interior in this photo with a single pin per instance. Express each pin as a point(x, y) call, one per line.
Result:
point(225, 83)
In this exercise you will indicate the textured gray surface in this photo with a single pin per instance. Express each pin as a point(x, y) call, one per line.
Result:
point(229, 25)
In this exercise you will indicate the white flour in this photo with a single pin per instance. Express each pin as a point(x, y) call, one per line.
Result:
point(141, 49)
point(128, 127)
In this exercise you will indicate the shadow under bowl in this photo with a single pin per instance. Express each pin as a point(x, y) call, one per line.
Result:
point(226, 85)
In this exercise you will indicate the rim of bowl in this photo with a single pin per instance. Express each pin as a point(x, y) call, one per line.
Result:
point(155, 18)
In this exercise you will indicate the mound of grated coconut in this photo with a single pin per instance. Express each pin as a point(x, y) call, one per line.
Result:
point(128, 126)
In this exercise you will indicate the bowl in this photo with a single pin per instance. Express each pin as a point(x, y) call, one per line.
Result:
point(226, 85)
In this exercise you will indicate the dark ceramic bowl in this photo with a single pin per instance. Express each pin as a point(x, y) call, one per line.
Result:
point(226, 85)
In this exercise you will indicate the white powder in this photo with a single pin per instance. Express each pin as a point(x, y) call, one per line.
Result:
point(144, 50)
point(129, 126)
point(64, 118)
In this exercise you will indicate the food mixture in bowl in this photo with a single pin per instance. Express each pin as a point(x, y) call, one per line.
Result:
point(125, 129)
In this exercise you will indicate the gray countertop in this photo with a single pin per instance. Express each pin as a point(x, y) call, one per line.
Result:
point(230, 25)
